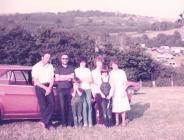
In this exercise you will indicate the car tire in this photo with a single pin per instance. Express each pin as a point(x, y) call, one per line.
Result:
point(130, 90)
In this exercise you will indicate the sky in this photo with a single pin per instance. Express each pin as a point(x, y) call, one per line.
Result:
point(152, 8)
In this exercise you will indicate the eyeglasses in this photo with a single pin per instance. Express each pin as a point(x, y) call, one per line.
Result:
point(64, 58)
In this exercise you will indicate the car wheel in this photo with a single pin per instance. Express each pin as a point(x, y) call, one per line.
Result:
point(130, 90)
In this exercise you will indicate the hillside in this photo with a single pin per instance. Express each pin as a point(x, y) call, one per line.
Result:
point(104, 28)
point(93, 21)
point(152, 34)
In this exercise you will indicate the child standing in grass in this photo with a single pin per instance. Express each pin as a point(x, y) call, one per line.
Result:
point(105, 89)
point(77, 102)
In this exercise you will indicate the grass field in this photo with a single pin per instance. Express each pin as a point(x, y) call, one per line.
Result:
point(156, 114)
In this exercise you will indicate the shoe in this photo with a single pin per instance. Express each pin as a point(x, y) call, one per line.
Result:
point(51, 126)
point(42, 125)
point(90, 125)
point(85, 125)
point(64, 125)
point(75, 126)
point(123, 124)
point(116, 124)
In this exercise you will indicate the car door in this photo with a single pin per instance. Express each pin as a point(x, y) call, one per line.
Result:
point(18, 96)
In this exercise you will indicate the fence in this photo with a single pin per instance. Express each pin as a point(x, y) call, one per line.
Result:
point(162, 82)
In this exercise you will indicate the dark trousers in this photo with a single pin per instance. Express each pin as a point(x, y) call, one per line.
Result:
point(77, 110)
point(98, 109)
point(46, 104)
point(66, 109)
point(107, 113)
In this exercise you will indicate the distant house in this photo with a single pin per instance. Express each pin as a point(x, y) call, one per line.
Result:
point(142, 45)
point(165, 47)
point(177, 50)
point(165, 56)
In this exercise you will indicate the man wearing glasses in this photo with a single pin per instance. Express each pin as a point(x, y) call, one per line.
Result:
point(64, 74)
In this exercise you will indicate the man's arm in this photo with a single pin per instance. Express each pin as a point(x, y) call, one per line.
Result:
point(50, 87)
point(68, 77)
point(37, 83)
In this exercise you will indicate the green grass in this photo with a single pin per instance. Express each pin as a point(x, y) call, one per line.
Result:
point(156, 114)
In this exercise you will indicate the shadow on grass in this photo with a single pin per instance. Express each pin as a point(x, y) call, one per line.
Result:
point(55, 123)
point(137, 110)
point(139, 93)
point(3, 122)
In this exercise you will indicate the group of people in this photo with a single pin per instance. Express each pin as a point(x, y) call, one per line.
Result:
point(78, 88)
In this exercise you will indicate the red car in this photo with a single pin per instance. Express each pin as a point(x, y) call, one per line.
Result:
point(17, 95)
point(132, 87)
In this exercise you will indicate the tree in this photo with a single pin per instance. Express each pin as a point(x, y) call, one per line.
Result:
point(15, 47)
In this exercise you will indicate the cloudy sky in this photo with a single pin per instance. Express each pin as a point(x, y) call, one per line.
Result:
point(155, 8)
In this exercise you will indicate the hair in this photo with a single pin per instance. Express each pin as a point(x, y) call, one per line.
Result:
point(115, 61)
point(63, 53)
point(99, 59)
point(104, 69)
point(43, 52)
point(76, 80)
point(82, 59)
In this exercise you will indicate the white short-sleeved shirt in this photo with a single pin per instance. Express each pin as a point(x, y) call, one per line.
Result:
point(96, 76)
point(83, 74)
point(44, 73)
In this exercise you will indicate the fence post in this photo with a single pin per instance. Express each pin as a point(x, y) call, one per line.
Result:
point(140, 82)
point(172, 82)
point(153, 83)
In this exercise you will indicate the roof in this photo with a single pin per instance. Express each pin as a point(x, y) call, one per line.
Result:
point(15, 67)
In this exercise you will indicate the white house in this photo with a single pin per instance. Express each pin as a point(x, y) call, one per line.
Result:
point(165, 47)
point(165, 56)
point(177, 50)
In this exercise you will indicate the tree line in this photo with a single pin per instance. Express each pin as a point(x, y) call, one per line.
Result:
point(18, 46)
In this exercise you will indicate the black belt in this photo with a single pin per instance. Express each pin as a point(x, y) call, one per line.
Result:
point(46, 84)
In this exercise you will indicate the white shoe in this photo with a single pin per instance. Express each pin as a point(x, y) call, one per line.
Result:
point(85, 125)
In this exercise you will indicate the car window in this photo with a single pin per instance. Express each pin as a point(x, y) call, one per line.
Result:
point(4, 77)
point(20, 77)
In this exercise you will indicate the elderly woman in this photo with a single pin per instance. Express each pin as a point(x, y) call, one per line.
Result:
point(120, 103)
